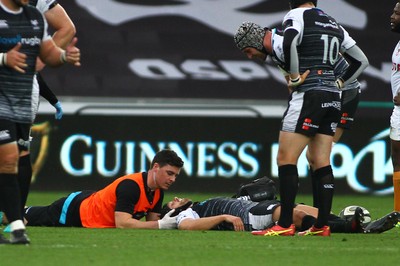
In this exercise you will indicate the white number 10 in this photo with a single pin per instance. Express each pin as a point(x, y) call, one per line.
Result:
point(329, 49)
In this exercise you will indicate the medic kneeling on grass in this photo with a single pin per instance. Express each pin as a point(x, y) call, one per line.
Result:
point(122, 204)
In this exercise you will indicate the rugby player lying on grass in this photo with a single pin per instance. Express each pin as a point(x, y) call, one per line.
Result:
point(223, 213)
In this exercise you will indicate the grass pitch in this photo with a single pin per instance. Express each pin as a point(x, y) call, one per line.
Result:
point(79, 246)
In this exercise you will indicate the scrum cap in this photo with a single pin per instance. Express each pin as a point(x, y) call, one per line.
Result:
point(296, 3)
point(250, 34)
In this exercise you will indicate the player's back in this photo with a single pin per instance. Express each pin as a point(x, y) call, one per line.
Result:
point(318, 48)
point(223, 205)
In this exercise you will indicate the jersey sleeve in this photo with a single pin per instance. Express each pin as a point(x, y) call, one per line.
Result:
point(45, 5)
point(46, 35)
point(189, 213)
point(348, 41)
point(294, 20)
point(127, 193)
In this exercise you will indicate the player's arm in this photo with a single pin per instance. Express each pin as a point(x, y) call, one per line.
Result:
point(45, 91)
point(290, 52)
point(63, 27)
point(128, 194)
point(290, 41)
point(53, 55)
point(48, 94)
point(60, 22)
point(354, 56)
point(207, 223)
point(358, 61)
point(124, 220)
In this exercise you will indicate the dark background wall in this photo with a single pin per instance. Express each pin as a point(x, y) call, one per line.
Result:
point(184, 48)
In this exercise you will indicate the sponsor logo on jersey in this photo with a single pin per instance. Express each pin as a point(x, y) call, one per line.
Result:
point(3, 23)
point(331, 24)
point(325, 72)
point(35, 24)
point(34, 41)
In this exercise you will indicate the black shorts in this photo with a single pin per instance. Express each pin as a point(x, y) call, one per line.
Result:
point(18, 132)
point(62, 212)
point(312, 112)
point(265, 207)
point(350, 100)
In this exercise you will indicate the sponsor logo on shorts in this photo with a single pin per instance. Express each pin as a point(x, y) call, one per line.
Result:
point(345, 118)
point(307, 124)
point(4, 134)
point(334, 104)
point(333, 127)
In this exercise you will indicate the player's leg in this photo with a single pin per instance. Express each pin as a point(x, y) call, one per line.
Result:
point(314, 184)
point(395, 154)
point(291, 146)
point(10, 197)
point(320, 147)
point(25, 165)
point(45, 215)
point(24, 177)
point(293, 138)
point(395, 147)
point(349, 104)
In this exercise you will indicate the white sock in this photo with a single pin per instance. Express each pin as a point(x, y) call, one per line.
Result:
point(17, 225)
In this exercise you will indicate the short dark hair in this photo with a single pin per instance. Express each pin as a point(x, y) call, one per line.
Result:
point(166, 209)
point(169, 157)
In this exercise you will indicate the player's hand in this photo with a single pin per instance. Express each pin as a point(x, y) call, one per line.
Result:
point(72, 53)
point(299, 80)
point(168, 222)
point(59, 111)
point(339, 84)
point(236, 222)
point(15, 59)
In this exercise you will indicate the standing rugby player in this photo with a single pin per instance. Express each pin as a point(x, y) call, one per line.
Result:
point(24, 38)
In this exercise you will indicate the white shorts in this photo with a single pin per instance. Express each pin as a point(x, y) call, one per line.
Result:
point(35, 98)
point(395, 124)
